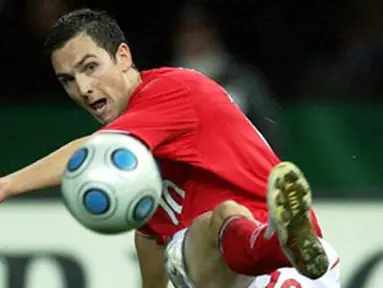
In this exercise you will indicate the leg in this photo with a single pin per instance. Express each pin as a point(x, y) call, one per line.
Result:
point(205, 264)
point(250, 247)
point(193, 261)
point(296, 240)
point(242, 243)
point(203, 261)
point(205, 267)
point(290, 277)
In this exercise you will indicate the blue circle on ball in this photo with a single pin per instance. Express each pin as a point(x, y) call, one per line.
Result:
point(96, 201)
point(124, 159)
point(143, 209)
point(77, 159)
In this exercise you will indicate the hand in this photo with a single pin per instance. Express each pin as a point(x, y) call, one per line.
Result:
point(4, 189)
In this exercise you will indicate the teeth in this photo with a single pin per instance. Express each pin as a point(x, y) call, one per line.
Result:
point(98, 105)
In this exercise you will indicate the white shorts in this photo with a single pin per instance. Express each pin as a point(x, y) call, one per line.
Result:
point(281, 278)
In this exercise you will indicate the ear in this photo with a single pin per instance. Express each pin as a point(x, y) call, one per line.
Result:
point(124, 57)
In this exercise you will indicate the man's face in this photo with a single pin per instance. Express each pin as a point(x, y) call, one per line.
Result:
point(92, 78)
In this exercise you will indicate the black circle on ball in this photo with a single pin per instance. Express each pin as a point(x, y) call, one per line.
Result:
point(143, 209)
point(77, 159)
point(124, 159)
point(96, 201)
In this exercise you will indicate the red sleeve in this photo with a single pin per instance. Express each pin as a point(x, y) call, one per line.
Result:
point(161, 114)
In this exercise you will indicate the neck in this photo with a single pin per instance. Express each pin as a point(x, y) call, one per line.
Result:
point(133, 79)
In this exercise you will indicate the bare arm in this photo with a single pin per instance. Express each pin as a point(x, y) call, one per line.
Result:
point(151, 260)
point(44, 173)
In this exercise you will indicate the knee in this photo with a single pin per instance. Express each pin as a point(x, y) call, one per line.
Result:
point(224, 211)
point(230, 208)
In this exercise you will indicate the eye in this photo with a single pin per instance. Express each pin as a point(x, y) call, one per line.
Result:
point(66, 80)
point(90, 67)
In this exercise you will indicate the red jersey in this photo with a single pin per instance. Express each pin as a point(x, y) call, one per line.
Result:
point(206, 148)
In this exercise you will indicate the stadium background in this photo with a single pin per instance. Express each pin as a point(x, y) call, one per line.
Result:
point(308, 73)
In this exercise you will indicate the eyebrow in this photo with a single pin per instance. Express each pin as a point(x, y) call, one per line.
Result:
point(76, 65)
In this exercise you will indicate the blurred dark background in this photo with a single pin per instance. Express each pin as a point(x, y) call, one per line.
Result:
point(308, 74)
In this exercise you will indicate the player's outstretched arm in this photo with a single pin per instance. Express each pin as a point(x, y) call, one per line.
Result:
point(151, 260)
point(44, 173)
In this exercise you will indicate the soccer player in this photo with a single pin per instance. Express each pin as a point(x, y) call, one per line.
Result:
point(232, 214)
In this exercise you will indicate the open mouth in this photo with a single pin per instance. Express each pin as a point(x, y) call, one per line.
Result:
point(99, 105)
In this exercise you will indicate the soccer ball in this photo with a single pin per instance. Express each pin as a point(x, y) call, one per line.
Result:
point(112, 183)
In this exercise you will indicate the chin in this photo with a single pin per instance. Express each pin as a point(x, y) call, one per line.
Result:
point(107, 120)
point(100, 120)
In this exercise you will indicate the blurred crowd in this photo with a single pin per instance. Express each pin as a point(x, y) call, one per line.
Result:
point(265, 53)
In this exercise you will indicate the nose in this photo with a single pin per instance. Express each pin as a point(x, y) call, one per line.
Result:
point(84, 86)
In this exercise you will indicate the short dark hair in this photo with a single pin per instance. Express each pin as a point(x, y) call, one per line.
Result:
point(98, 25)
